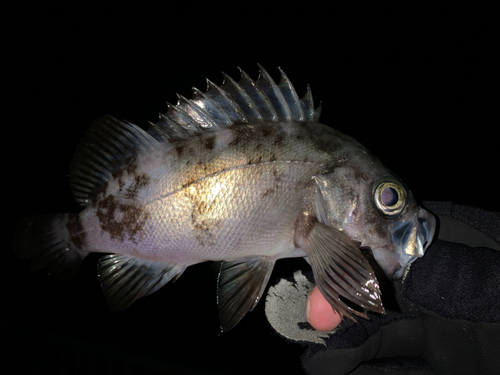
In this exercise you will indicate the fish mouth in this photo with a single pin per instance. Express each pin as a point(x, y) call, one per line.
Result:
point(410, 239)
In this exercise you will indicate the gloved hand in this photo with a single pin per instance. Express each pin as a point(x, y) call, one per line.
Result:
point(449, 318)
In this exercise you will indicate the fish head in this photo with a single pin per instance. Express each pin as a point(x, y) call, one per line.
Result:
point(374, 207)
point(409, 227)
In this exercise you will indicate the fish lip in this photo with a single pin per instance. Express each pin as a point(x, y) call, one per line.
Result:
point(402, 272)
point(407, 269)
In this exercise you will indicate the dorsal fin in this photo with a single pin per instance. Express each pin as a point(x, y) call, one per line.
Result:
point(110, 144)
point(107, 146)
point(235, 102)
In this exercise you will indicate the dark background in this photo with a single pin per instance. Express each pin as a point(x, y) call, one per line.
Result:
point(415, 82)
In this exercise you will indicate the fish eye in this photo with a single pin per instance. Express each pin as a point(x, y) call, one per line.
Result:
point(390, 198)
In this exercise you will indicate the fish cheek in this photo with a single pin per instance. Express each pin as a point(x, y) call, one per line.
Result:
point(373, 232)
point(378, 237)
point(375, 229)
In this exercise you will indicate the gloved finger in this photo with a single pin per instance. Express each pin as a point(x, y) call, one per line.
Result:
point(394, 335)
point(456, 282)
point(468, 225)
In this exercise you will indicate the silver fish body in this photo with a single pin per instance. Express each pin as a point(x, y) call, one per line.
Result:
point(243, 174)
point(207, 198)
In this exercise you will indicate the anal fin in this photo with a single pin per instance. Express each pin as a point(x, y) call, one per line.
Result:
point(124, 279)
point(339, 268)
point(240, 286)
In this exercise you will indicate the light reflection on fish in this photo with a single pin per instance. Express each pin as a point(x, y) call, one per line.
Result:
point(243, 173)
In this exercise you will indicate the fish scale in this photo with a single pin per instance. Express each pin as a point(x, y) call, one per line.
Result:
point(243, 173)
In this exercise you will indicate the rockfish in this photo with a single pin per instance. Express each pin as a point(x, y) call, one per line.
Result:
point(244, 174)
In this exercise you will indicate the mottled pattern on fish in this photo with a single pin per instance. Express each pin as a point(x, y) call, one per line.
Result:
point(194, 186)
point(243, 174)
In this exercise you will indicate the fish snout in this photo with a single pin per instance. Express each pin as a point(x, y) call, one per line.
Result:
point(411, 239)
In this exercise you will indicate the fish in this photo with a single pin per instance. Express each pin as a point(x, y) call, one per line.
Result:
point(243, 174)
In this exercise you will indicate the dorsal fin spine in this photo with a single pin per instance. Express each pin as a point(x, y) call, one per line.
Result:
point(197, 113)
point(169, 120)
point(307, 104)
point(290, 96)
point(212, 108)
point(228, 105)
point(174, 114)
point(260, 99)
point(274, 94)
point(172, 127)
point(182, 118)
point(236, 102)
point(241, 99)
point(157, 132)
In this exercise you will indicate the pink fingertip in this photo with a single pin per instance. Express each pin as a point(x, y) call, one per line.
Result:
point(319, 313)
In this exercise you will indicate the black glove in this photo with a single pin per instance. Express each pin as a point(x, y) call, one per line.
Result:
point(449, 318)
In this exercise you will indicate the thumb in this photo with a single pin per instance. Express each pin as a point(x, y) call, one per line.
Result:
point(319, 313)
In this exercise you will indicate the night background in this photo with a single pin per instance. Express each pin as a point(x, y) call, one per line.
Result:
point(417, 83)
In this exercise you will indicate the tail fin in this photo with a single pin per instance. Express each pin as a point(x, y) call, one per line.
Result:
point(45, 239)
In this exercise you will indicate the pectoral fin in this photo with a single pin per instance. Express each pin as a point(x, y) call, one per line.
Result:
point(339, 268)
point(239, 287)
